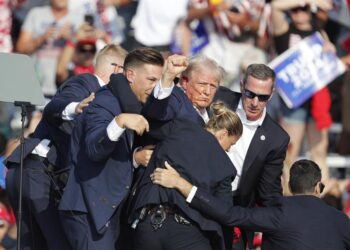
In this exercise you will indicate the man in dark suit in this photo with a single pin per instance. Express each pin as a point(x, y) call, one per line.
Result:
point(302, 221)
point(259, 154)
point(199, 83)
point(196, 153)
point(101, 150)
point(46, 153)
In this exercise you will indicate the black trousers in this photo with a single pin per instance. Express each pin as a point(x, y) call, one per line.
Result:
point(171, 236)
point(41, 227)
point(83, 235)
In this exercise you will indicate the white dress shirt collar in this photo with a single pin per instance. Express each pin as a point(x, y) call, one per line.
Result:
point(100, 81)
point(242, 115)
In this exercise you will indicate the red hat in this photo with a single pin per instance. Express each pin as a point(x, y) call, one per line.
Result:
point(91, 41)
point(4, 214)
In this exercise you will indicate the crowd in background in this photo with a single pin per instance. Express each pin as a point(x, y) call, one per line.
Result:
point(63, 37)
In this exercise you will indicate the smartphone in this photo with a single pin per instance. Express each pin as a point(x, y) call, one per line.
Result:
point(89, 19)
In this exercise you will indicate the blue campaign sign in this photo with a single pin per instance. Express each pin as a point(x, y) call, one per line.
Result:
point(304, 69)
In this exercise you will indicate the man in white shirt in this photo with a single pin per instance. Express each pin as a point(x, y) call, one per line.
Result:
point(259, 154)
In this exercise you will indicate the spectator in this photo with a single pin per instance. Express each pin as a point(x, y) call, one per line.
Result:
point(313, 117)
point(78, 54)
point(103, 16)
point(20, 12)
point(5, 225)
point(43, 35)
point(3, 145)
point(231, 30)
point(154, 26)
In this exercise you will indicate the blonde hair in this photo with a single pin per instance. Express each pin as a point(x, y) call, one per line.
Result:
point(107, 55)
point(224, 118)
point(201, 62)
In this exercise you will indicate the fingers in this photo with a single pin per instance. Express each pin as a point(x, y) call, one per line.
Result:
point(142, 126)
point(168, 166)
point(156, 176)
point(158, 170)
point(85, 102)
point(178, 61)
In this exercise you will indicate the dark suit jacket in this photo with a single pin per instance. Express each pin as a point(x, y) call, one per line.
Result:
point(198, 156)
point(300, 222)
point(52, 126)
point(177, 105)
point(101, 169)
point(260, 181)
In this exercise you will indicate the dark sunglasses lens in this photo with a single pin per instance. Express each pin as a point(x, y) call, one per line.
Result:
point(297, 9)
point(251, 95)
point(263, 98)
point(82, 50)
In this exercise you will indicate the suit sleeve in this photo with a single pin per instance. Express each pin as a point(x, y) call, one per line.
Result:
point(259, 219)
point(165, 109)
point(70, 92)
point(269, 187)
point(223, 191)
point(97, 119)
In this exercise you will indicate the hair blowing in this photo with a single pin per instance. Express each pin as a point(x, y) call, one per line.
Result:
point(224, 118)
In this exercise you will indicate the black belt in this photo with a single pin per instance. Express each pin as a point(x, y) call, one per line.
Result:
point(158, 214)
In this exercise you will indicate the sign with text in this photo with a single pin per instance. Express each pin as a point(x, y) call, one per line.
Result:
point(304, 69)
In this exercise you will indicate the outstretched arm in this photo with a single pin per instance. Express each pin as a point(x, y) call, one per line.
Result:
point(168, 177)
point(261, 219)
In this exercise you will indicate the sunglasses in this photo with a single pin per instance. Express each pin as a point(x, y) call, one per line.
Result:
point(83, 50)
point(117, 66)
point(306, 8)
point(252, 95)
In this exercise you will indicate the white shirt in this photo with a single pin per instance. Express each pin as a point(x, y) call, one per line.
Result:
point(155, 20)
point(203, 113)
point(238, 152)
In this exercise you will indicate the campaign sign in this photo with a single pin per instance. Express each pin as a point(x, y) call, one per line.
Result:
point(304, 69)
